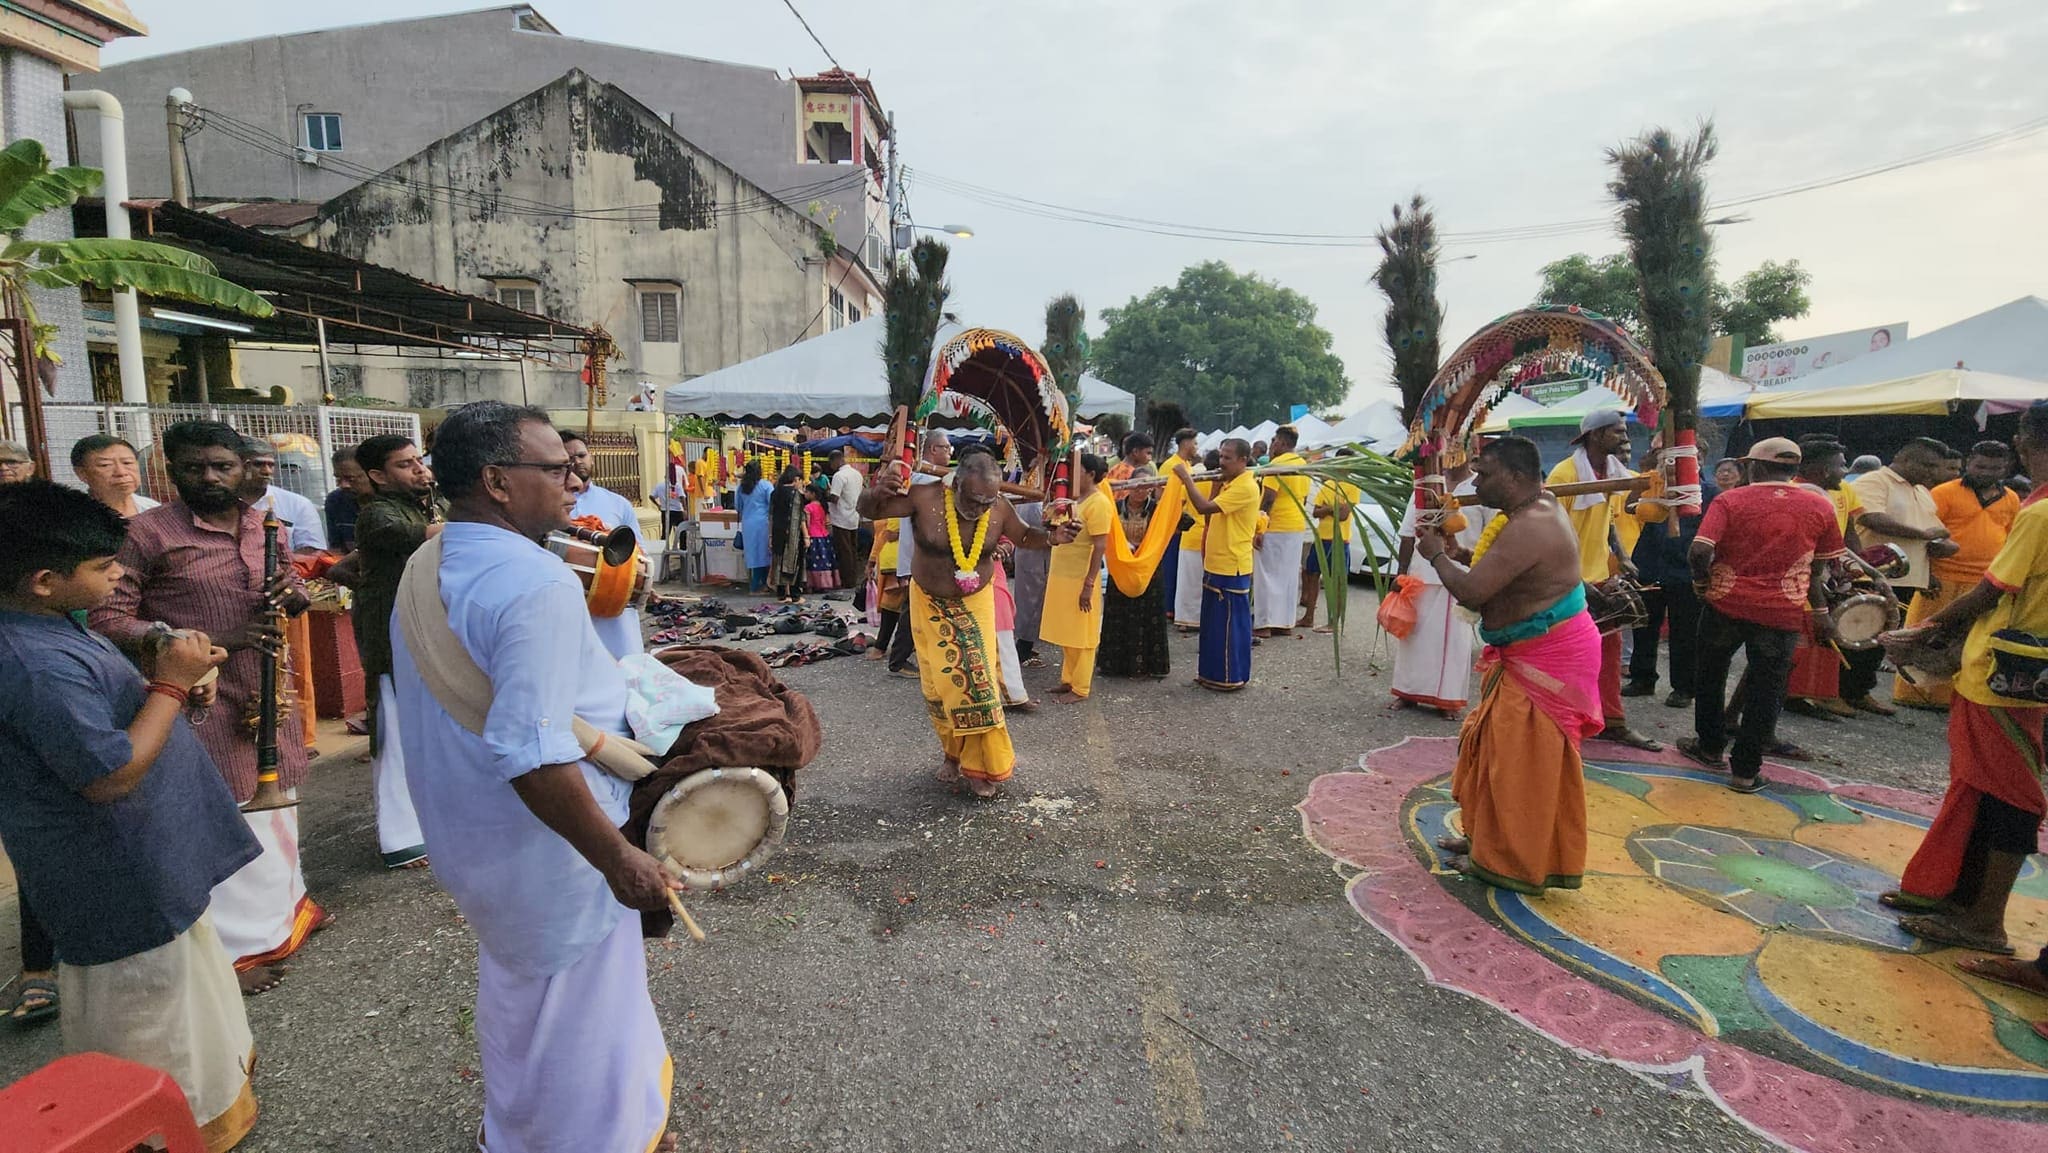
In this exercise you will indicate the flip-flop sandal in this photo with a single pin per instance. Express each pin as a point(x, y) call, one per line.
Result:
point(1034, 662)
point(1899, 899)
point(1975, 967)
point(1941, 933)
point(1788, 751)
point(1689, 748)
point(40, 989)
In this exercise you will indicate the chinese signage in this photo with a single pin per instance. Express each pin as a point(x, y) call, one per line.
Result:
point(1769, 364)
point(822, 107)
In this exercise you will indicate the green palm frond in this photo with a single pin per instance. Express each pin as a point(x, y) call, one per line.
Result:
point(1415, 317)
point(29, 187)
point(1380, 480)
point(1660, 184)
point(105, 248)
point(914, 301)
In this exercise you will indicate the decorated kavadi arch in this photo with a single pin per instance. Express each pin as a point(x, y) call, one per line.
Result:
point(999, 382)
point(1520, 349)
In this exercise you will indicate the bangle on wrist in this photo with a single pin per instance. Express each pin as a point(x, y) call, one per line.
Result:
point(167, 689)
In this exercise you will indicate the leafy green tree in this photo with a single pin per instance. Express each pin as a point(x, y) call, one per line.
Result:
point(29, 187)
point(1228, 347)
point(1751, 306)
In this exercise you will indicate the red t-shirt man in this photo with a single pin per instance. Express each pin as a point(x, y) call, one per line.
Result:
point(1766, 537)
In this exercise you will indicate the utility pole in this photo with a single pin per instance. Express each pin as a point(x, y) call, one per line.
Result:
point(175, 106)
point(899, 237)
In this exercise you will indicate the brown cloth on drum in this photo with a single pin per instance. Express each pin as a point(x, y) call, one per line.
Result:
point(761, 722)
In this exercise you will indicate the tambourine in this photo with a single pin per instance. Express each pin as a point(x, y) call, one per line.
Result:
point(1862, 618)
point(715, 826)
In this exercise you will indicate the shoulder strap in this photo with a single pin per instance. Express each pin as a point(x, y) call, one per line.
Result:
point(461, 687)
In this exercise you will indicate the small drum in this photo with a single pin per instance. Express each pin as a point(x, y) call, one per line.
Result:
point(610, 565)
point(1862, 618)
point(715, 826)
point(1921, 648)
point(1888, 559)
point(1616, 605)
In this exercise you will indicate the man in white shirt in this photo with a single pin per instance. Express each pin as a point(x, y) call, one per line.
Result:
point(300, 516)
point(620, 634)
point(842, 508)
point(1897, 509)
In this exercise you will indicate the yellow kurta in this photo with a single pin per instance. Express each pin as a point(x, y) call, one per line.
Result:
point(1064, 624)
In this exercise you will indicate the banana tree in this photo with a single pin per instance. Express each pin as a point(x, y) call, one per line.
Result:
point(29, 187)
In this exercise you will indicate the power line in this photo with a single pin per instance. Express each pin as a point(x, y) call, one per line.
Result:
point(813, 35)
point(1026, 206)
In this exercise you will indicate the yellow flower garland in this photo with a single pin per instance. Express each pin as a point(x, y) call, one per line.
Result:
point(1487, 535)
point(965, 561)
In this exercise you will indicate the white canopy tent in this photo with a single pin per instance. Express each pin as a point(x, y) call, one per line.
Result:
point(1378, 426)
point(838, 374)
point(1512, 405)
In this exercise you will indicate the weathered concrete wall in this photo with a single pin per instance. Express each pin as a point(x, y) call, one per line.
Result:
point(401, 85)
point(463, 212)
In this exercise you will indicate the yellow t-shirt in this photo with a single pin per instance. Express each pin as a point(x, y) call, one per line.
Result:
point(1591, 523)
point(2021, 569)
point(887, 533)
point(1228, 549)
point(1848, 506)
point(1286, 515)
point(1340, 519)
point(1093, 514)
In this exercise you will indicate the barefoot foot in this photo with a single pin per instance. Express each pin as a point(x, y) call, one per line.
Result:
point(982, 788)
point(261, 979)
point(1068, 697)
point(1451, 844)
point(948, 770)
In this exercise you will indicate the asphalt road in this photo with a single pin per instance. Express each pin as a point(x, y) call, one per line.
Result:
point(1134, 948)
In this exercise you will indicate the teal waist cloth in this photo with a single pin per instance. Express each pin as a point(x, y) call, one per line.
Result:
point(1568, 606)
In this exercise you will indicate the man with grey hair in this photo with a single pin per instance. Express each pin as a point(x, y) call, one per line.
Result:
point(935, 450)
point(16, 465)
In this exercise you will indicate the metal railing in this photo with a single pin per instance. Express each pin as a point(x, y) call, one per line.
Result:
point(306, 436)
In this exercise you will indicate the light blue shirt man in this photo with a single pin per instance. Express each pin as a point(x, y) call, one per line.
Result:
point(620, 634)
point(307, 530)
point(535, 903)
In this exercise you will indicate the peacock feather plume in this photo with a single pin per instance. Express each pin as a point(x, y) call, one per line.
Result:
point(1661, 186)
point(1415, 318)
point(914, 301)
point(1066, 345)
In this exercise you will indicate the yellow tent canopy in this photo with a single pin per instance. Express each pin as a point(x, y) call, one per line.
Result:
point(1928, 394)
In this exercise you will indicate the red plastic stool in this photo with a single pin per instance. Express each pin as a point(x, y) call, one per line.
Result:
point(93, 1103)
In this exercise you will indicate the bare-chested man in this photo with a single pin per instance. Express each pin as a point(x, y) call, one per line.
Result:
point(1519, 782)
point(951, 613)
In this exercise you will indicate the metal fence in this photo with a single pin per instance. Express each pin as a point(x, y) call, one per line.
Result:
point(306, 436)
point(615, 461)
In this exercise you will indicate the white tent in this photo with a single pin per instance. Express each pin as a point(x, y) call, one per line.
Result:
point(1512, 405)
point(2010, 340)
point(1378, 425)
point(838, 374)
point(1316, 432)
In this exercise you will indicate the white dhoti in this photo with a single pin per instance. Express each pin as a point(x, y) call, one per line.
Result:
point(1276, 580)
point(1014, 692)
point(1433, 666)
point(176, 1008)
point(398, 826)
point(575, 1060)
point(262, 913)
point(1187, 589)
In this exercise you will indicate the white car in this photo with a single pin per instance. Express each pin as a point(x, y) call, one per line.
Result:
point(1380, 531)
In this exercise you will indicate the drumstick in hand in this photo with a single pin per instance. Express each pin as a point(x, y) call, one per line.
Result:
point(675, 904)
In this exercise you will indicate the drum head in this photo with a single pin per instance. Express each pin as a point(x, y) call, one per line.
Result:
point(713, 827)
point(1860, 619)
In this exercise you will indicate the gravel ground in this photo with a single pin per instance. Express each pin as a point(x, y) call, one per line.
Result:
point(1134, 948)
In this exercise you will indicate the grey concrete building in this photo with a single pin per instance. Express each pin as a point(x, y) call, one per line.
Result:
point(576, 201)
point(310, 116)
point(39, 44)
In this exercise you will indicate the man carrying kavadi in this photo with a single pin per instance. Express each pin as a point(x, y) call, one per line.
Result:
point(1519, 783)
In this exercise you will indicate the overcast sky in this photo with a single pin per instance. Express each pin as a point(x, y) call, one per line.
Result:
point(1314, 116)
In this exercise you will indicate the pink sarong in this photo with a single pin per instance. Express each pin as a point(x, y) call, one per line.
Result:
point(1559, 672)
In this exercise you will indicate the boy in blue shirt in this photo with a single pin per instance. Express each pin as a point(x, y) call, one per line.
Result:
point(114, 816)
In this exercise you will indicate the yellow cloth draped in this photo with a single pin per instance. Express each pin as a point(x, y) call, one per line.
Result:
point(1131, 568)
point(956, 662)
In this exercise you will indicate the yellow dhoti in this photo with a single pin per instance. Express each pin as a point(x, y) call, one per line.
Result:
point(956, 662)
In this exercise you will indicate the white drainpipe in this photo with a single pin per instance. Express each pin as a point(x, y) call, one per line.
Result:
point(114, 165)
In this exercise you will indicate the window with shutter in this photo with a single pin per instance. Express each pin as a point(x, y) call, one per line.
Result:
point(660, 317)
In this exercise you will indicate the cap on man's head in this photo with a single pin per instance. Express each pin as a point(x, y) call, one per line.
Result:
point(1598, 419)
point(1774, 450)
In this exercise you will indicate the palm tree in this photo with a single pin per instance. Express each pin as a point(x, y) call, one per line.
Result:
point(1660, 183)
point(29, 187)
point(914, 301)
point(1066, 346)
point(1415, 318)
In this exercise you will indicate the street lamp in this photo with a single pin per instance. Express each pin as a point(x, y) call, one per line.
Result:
point(903, 232)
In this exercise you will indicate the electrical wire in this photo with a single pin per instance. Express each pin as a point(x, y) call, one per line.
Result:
point(813, 35)
point(1026, 206)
